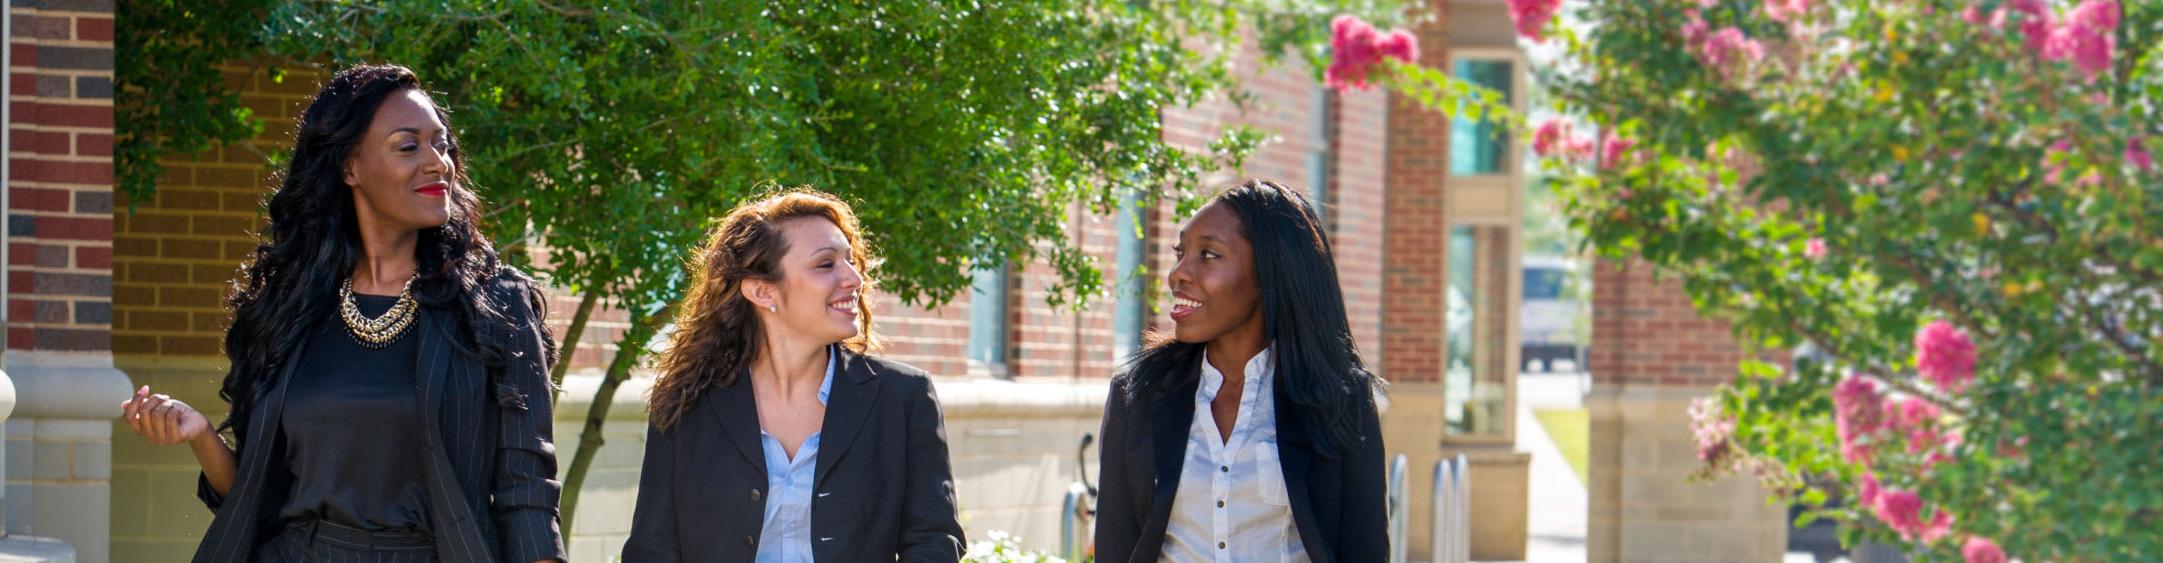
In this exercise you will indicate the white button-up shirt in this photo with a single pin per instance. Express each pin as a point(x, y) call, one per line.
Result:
point(1232, 503)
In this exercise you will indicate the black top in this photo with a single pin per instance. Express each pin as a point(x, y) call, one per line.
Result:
point(352, 430)
point(884, 489)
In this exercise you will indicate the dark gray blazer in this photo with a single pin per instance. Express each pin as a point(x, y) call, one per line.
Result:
point(884, 489)
point(1337, 504)
point(491, 464)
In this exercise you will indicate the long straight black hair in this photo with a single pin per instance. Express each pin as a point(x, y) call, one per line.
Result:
point(313, 241)
point(1303, 317)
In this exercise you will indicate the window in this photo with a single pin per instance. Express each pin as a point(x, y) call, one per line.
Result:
point(1479, 148)
point(1477, 378)
point(1318, 157)
point(1131, 311)
point(988, 320)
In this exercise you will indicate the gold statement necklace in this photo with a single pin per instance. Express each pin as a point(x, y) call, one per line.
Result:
point(382, 331)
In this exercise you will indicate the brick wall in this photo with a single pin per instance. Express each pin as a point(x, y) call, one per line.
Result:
point(61, 177)
point(1646, 332)
point(1414, 238)
point(179, 251)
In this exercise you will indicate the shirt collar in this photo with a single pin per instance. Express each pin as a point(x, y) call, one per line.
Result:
point(1258, 371)
point(826, 387)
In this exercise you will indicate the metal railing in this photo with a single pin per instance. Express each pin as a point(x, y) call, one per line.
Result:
point(1400, 508)
point(1079, 508)
point(1452, 497)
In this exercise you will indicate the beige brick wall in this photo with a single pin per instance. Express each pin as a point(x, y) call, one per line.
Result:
point(1644, 508)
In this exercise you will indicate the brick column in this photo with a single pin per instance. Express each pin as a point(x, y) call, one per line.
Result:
point(59, 272)
point(1651, 355)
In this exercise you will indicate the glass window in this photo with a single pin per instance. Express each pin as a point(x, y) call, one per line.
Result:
point(988, 318)
point(1544, 283)
point(1482, 147)
point(1476, 383)
point(1131, 311)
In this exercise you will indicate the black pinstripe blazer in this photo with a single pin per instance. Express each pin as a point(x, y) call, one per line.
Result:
point(884, 488)
point(490, 465)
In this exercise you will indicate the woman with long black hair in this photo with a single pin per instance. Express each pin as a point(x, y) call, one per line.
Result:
point(1251, 434)
point(389, 389)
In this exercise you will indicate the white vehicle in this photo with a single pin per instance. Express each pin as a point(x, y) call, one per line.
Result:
point(1551, 320)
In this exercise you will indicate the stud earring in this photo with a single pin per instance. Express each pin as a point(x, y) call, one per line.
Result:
point(773, 308)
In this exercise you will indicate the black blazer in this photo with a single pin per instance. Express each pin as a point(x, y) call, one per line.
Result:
point(491, 464)
point(1337, 504)
point(884, 488)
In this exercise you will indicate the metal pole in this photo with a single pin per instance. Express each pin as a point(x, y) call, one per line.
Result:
point(1073, 524)
point(1400, 509)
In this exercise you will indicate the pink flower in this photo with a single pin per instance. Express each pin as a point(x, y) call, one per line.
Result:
point(1550, 137)
point(1352, 53)
point(1785, 11)
point(1902, 510)
point(1712, 429)
point(1916, 418)
point(1531, 17)
point(1356, 47)
point(1815, 249)
point(2086, 37)
point(1979, 550)
point(1945, 356)
point(2138, 155)
point(1867, 492)
point(1694, 31)
point(1400, 45)
point(1730, 53)
point(1858, 412)
point(2036, 21)
point(1940, 525)
point(1612, 149)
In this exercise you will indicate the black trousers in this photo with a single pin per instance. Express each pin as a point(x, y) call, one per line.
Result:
point(317, 541)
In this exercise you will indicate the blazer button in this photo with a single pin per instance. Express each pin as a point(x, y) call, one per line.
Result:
point(754, 495)
point(752, 541)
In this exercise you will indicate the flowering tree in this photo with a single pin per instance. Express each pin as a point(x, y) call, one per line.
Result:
point(1946, 208)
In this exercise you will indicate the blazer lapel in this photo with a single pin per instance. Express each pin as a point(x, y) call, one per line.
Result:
point(1295, 452)
point(233, 532)
point(848, 406)
point(1171, 421)
point(457, 538)
point(737, 414)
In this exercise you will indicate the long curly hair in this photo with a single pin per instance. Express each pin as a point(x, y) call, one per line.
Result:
point(313, 242)
point(718, 333)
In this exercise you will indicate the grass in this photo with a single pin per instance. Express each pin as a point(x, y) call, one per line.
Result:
point(1570, 430)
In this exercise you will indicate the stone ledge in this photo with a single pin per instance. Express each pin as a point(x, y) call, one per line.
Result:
point(66, 385)
point(32, 549)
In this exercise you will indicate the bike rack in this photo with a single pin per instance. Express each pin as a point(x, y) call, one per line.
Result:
point(1452, 496)
point(1400, 508)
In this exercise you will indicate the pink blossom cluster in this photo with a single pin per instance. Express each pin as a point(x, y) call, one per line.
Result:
point(1980, 550)
point(1727, 51)
point(1531, 17)
point(1612, 150)
point(1815, 249)
point(1713, 431)
point(1555, 138)
point(2085, 36)
point(1786, 11)
point(1356, 47)
point(1945, 356)
point(1858, 417)
point(2138, 155)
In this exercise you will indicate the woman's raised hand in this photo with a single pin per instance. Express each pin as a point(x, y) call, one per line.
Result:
point(163, 420)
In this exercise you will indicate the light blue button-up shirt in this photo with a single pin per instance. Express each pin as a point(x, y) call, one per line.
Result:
point(786, 537)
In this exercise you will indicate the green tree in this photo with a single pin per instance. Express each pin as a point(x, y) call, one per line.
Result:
point(1949, 208)
point(609, 134)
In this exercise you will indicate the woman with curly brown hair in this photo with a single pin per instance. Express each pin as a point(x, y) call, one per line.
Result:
point(775, 437)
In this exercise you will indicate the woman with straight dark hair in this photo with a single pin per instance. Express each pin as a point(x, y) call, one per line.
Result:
point(1251, 434)
point(389, 387)
point(776, 436)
